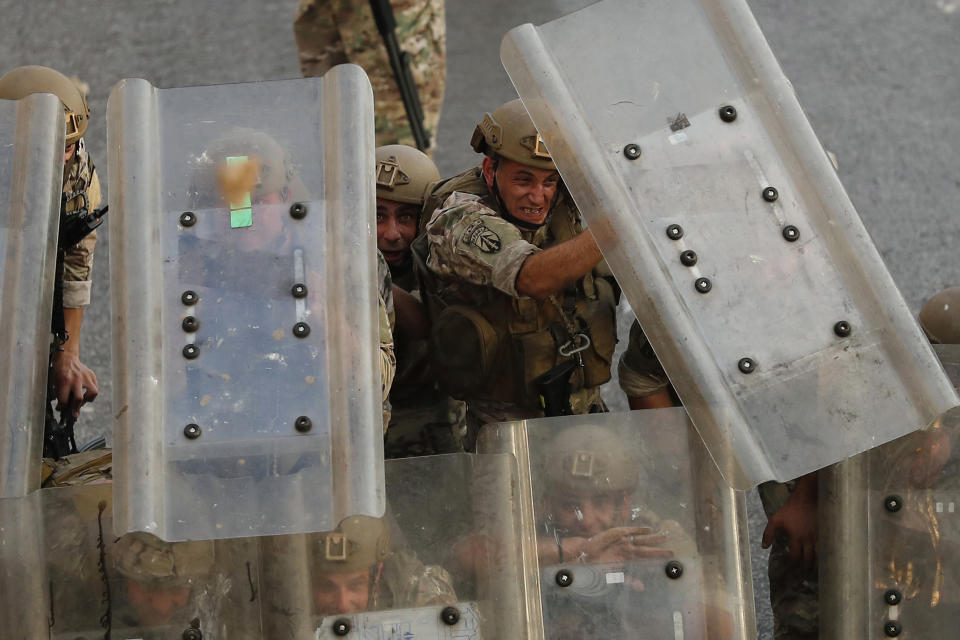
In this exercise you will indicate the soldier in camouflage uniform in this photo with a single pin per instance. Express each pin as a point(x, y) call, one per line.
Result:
point(513, 285)
point(74, 382)
point(354, 570)
point(331, 32)
point(425, 421)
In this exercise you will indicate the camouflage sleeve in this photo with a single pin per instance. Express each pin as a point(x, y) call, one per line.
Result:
point(318, 39)
point(388, 358)
point(78, 261)
point(640, 372)
point(470, 242)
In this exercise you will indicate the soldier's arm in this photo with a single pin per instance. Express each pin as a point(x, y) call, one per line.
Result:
point(412, 322)
point(553, 269)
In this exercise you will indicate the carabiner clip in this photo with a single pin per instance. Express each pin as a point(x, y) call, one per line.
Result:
point(579, 342)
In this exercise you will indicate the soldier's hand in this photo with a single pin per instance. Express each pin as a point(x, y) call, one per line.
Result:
point(75, 384)
point(625, 543)
point(797, 519)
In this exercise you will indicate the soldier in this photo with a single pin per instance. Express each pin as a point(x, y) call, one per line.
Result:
point(424, 420)
point(73, 382)
point(332, 32)
point(514, 286)
point(354, 570)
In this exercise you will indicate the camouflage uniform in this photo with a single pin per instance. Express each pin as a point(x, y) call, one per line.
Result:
point(388, 360)
point(81, 186)
point(332, 32)
point(473, 257)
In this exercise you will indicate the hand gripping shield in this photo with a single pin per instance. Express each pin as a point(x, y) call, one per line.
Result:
point(31, 171)
point(245, 307)
point(628, 525)
point(756, 283)
point(904, 578)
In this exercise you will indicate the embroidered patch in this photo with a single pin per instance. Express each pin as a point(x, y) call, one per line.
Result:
point(482, 237)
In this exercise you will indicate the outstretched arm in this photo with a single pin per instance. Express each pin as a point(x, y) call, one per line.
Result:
point(549, 271)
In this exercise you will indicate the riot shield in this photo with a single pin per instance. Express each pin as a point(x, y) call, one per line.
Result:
point(24, 601)
point(889, 543)
point(32, 134)
point(632, 531)
point(443, 563)
point(725, 223)
point(244, 294)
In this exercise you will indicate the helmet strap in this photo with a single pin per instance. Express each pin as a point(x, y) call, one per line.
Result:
point(373, 597)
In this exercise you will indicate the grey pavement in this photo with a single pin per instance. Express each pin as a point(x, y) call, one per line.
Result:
point(877, 78)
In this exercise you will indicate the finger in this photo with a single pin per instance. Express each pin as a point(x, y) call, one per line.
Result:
point(651, 552)
point(648, 540)
point(768, 532)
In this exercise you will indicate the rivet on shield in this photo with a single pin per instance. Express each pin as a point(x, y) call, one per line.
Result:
point(299, 290)
point(673, 570)
point(703, 285)
point(303, 424)
point(191, 351)
point(190, 324)
point(674, 232)
point(298, 211)
point(893, 503)
point(770, 194)
point(564, 578)
point(728, 113)
point(892, 628)
point(192, 431)
point(791, 233)
point(747, 365)
point(632, 151)
point(450, 616)
point(192, 634)
point(301, 329)
point(842, 328)
point(188, 219)
point(341, 627)
point(892, 597)
point(189, 297)
point(688, 258)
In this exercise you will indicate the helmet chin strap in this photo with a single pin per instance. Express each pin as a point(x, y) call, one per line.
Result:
point(505, 212)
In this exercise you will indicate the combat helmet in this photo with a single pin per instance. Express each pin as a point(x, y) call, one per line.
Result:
point(940, 317)
point(590, 459)
point(404, 173)
point(510, 133)
point(23, 81)
point(146, 559)
point(360, 542)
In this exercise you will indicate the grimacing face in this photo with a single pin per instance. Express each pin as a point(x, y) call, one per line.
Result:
point(336, 593)
point(586, 515)
point(396, 229)
point(527, 192)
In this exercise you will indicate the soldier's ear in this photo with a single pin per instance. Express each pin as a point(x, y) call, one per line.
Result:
point(489, 168)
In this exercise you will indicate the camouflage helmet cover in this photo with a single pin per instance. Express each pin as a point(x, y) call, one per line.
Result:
point(940, 317)
point(403, 174)
point(146, 558)
point(360, 542)
point(23, 81)
point(590, 459)
point(509, 132)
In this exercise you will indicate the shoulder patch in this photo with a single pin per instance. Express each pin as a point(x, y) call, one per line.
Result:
point(481, 236)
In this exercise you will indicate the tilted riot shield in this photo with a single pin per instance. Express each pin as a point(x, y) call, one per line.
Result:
point(631, 527)
point(889, 539)
point(32, 134)
point(442, 564)
point(245, 305)
point(24, 601)
point(756, 283)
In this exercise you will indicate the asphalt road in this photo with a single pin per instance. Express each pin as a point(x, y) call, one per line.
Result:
point(877, 79)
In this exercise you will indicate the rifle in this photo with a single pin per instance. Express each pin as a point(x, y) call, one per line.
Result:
point(58, 435)
point(400, 64)
point(553, 388)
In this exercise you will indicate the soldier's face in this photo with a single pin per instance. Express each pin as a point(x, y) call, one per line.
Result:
point(156, 605)
point(343, 592)
point(586, 515)
point(396, 229)
point(527, 192)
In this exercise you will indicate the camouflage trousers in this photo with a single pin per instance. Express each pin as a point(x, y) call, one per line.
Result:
point(794, 593)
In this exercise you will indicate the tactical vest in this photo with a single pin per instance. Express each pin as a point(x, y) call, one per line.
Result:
point(76, 181)
point(489, 345)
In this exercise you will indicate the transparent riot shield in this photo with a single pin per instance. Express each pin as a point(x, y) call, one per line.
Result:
point(442, 564)
point(31, 169)
point(632, 531)
point(24, 600)
point(889, 543)
point(245, 299)
point(754, 279)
